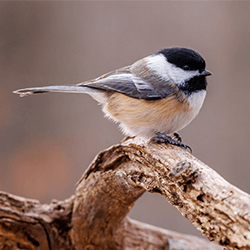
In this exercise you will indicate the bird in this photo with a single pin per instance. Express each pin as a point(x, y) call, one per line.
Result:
point(153, 98)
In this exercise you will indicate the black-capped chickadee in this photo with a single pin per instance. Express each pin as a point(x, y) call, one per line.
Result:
point(152, 98)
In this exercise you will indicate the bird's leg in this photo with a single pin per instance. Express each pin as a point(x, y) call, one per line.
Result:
point(163, 138)
point(177, 136)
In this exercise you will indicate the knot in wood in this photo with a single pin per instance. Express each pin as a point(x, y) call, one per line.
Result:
point(184, 172)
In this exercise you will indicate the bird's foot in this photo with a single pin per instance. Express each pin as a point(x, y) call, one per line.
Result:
point(163, 138)
point(177, 136)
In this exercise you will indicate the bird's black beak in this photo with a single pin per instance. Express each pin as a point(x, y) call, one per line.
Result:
point(205, 73)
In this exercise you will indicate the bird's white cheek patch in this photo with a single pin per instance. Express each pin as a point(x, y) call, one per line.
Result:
point(180, 76)
point(168, 71)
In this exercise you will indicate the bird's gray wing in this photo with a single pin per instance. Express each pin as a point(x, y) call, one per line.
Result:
point(124, 82)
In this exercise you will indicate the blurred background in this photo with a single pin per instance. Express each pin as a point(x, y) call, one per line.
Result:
point(47, 141)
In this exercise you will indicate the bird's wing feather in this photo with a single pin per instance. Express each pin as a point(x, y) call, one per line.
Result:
point(124, 82)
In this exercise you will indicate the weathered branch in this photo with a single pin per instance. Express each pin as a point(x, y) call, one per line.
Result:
point(27, 224)
point(96, 216)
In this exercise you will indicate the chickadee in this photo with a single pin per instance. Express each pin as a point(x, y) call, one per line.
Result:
point(152, 98)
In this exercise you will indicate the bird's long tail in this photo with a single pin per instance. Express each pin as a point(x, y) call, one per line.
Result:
point(65, 89)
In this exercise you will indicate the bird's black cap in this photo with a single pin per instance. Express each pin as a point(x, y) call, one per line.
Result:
point(184, 58)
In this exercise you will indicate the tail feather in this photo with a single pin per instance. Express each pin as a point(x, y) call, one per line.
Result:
point(99, 95)
point(66, 89)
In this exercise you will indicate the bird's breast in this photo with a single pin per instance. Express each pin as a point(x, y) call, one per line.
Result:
point(140, 117)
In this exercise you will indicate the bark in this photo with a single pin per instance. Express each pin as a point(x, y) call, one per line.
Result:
point(95, 217)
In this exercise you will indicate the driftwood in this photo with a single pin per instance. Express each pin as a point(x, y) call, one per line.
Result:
point(95, 217)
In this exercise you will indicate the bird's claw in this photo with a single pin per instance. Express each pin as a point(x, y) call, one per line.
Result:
point(163, 138)
point(177, 136)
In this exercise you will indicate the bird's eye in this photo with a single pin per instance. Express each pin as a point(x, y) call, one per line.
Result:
point(186, 67)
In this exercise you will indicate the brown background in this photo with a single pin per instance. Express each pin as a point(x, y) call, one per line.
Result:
point(47, 141)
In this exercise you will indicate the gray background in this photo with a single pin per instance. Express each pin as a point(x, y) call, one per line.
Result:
point(47, 141)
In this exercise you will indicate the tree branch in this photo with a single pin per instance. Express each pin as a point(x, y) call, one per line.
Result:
point(96, 216)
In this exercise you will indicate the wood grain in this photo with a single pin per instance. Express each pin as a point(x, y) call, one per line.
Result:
point(95, 217)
